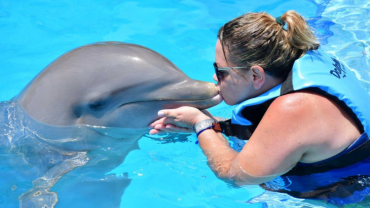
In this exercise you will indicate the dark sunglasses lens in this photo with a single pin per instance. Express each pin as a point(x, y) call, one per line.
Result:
point(218, 75)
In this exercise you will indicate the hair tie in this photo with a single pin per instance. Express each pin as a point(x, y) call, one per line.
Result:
point(280, 21)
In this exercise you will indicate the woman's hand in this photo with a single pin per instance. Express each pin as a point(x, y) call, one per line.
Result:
point(178, 120)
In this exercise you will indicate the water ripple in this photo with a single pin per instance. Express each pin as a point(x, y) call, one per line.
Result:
point(352, 40)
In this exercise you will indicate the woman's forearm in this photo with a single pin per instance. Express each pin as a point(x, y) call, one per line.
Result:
point(219, 154)
point(225, 162)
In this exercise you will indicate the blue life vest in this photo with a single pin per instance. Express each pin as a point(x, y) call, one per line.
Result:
point(320, 72)
point(338, 180)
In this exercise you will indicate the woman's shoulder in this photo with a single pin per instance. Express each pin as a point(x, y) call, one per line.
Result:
point(300, 102)
point(313, 109)
point(319, 122)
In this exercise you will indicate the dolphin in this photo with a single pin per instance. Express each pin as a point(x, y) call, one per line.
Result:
point(111, 84)
point(84, 113)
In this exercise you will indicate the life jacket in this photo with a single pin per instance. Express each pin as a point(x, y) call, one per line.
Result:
point(316, 71)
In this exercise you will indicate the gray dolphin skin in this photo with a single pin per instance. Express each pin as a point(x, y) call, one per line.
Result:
point(111, 84)
point(79, 118)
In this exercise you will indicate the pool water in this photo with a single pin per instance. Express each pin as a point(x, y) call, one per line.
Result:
point(168, 170)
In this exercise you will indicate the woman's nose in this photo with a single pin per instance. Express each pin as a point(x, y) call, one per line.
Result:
point(215, 77)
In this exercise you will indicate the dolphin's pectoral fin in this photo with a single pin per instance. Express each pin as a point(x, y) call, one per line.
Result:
point(39, 195)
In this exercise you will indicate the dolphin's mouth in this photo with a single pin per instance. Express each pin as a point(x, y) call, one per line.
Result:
point(217, 98)
point(198, 103)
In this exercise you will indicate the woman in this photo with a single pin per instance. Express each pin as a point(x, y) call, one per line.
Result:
point(304, 113)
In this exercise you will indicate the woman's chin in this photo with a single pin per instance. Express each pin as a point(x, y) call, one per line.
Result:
point(228, 102)
point(231, 102)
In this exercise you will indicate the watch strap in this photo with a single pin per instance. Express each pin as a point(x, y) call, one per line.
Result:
point(203, 125)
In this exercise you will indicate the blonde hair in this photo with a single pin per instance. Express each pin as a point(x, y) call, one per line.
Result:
point(258, 39)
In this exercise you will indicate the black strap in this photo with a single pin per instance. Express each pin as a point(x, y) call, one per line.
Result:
point(343, 188)
point(242, 132)
point(355, 155)
point(358, 154)
point(226, 127)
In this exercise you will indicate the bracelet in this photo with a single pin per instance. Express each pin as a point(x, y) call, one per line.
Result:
point(203, 125)
point(210, 127)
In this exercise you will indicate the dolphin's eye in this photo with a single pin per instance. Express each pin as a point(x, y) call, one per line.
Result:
point(96, 105)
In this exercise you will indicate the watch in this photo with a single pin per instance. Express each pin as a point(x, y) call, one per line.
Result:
point(203, 125)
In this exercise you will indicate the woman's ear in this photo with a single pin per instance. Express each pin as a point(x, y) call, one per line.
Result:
point(259, 76)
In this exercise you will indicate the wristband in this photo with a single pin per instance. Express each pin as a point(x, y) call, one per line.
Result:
point(204, 130)
point(203, 125)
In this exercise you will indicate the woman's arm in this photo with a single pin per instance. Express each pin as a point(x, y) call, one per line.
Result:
point(272, 150)
point(223, 160)
point(297, 127)
point(259, 161)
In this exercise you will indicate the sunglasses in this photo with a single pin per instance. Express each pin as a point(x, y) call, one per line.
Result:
point(219, 73)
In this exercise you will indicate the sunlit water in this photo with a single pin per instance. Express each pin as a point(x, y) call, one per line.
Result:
point(167, 170)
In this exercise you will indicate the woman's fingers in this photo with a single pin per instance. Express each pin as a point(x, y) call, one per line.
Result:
point(172, 128)
point(166, 113)
point(177, 120)
point(160, 128)
point(159, 121)
point(155, 131)
point(169, 127)
point(174, 121)
point(175, 113)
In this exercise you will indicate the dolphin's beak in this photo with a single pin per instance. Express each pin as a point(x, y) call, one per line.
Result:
point(201, 94)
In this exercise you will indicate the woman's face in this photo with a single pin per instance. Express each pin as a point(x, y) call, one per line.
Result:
point(234, 87)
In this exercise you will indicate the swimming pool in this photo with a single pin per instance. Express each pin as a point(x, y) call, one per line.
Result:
point(168, 172)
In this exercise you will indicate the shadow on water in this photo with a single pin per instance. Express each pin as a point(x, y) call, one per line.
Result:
point(170, 138)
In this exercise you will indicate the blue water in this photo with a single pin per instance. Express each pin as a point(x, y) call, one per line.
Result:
point(168, 171)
